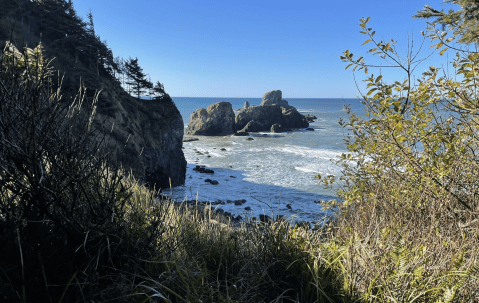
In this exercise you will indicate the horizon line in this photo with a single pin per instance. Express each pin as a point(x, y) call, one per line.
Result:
point(262, 97)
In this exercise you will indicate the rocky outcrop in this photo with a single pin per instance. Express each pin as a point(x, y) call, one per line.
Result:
point(272, 97)
point(262, 118)
point(144, 136)
point(275, 97)
point(216, 120)
point(310, 118)
point(219, 118)
point(293, 119)
point(274, 114)
point(258, 118)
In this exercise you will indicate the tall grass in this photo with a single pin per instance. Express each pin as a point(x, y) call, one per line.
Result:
point(76, 229)
point(73, 228)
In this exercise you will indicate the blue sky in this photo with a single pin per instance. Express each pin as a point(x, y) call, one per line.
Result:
point(246, 48)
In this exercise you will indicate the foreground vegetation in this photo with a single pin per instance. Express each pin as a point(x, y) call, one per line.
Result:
point(73, 228)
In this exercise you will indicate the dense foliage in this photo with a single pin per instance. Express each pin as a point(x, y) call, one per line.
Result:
point(409, 187)
point(79, 51)
point(75, 229)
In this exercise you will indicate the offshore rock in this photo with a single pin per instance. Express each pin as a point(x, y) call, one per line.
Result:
point(252, 126)
point(258, 118)
point(262, 118)
point(310, 118)
point(272, 97)
point(216, 120)
point(213, 182)
point(293, 119)
point(275, 97)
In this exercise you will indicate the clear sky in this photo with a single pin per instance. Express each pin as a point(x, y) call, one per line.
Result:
point(229, 48)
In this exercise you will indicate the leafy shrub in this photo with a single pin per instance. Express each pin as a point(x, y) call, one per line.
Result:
point(409, 220)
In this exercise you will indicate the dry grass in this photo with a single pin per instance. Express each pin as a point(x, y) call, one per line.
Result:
point(397, 252)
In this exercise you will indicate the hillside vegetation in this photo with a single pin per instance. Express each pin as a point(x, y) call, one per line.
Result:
point(76, 228)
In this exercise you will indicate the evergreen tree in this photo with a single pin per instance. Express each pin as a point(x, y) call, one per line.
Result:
point(137, 78)
point(158, 90)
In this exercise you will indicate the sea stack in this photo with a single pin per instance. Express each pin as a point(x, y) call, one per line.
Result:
point(216, 120)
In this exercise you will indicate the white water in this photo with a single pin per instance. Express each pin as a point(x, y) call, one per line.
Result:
point(272, 170)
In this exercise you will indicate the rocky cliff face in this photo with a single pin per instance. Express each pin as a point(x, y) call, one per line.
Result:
point(141, 135)
point(146, 137)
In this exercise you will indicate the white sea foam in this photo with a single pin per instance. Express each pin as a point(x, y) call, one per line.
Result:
point(273, 168)
point(306, 169)
point(311, 152)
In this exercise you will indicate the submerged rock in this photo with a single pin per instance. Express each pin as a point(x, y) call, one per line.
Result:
point(214, 182)
point(265, 218)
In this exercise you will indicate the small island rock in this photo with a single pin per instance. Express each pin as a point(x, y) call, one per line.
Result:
point(216, 120)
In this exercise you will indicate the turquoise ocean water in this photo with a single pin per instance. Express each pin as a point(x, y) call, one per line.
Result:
point(272, 170)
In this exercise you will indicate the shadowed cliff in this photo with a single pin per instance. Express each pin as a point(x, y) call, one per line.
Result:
point(142, 135)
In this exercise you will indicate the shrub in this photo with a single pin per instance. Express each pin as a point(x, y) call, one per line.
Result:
point(409, 220)
point(67, 218)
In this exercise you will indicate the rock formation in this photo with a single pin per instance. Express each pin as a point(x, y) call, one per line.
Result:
point(275, 97)
point(273, 110)
point(272, 97)
point(144, 136)
point(216, 120)
point(311, 118)
point(262, 118)
point(219, 118)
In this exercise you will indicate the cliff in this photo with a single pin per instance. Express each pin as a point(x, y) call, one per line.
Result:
point(142, 135)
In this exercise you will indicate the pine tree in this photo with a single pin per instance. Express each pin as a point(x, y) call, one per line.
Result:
point(137, 79)
point(158, 90)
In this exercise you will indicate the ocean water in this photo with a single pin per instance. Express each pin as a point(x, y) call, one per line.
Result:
point(271, 171)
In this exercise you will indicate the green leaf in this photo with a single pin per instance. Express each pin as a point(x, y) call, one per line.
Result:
point(371, 91)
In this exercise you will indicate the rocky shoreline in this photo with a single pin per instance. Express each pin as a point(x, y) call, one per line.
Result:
point(238, 219)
